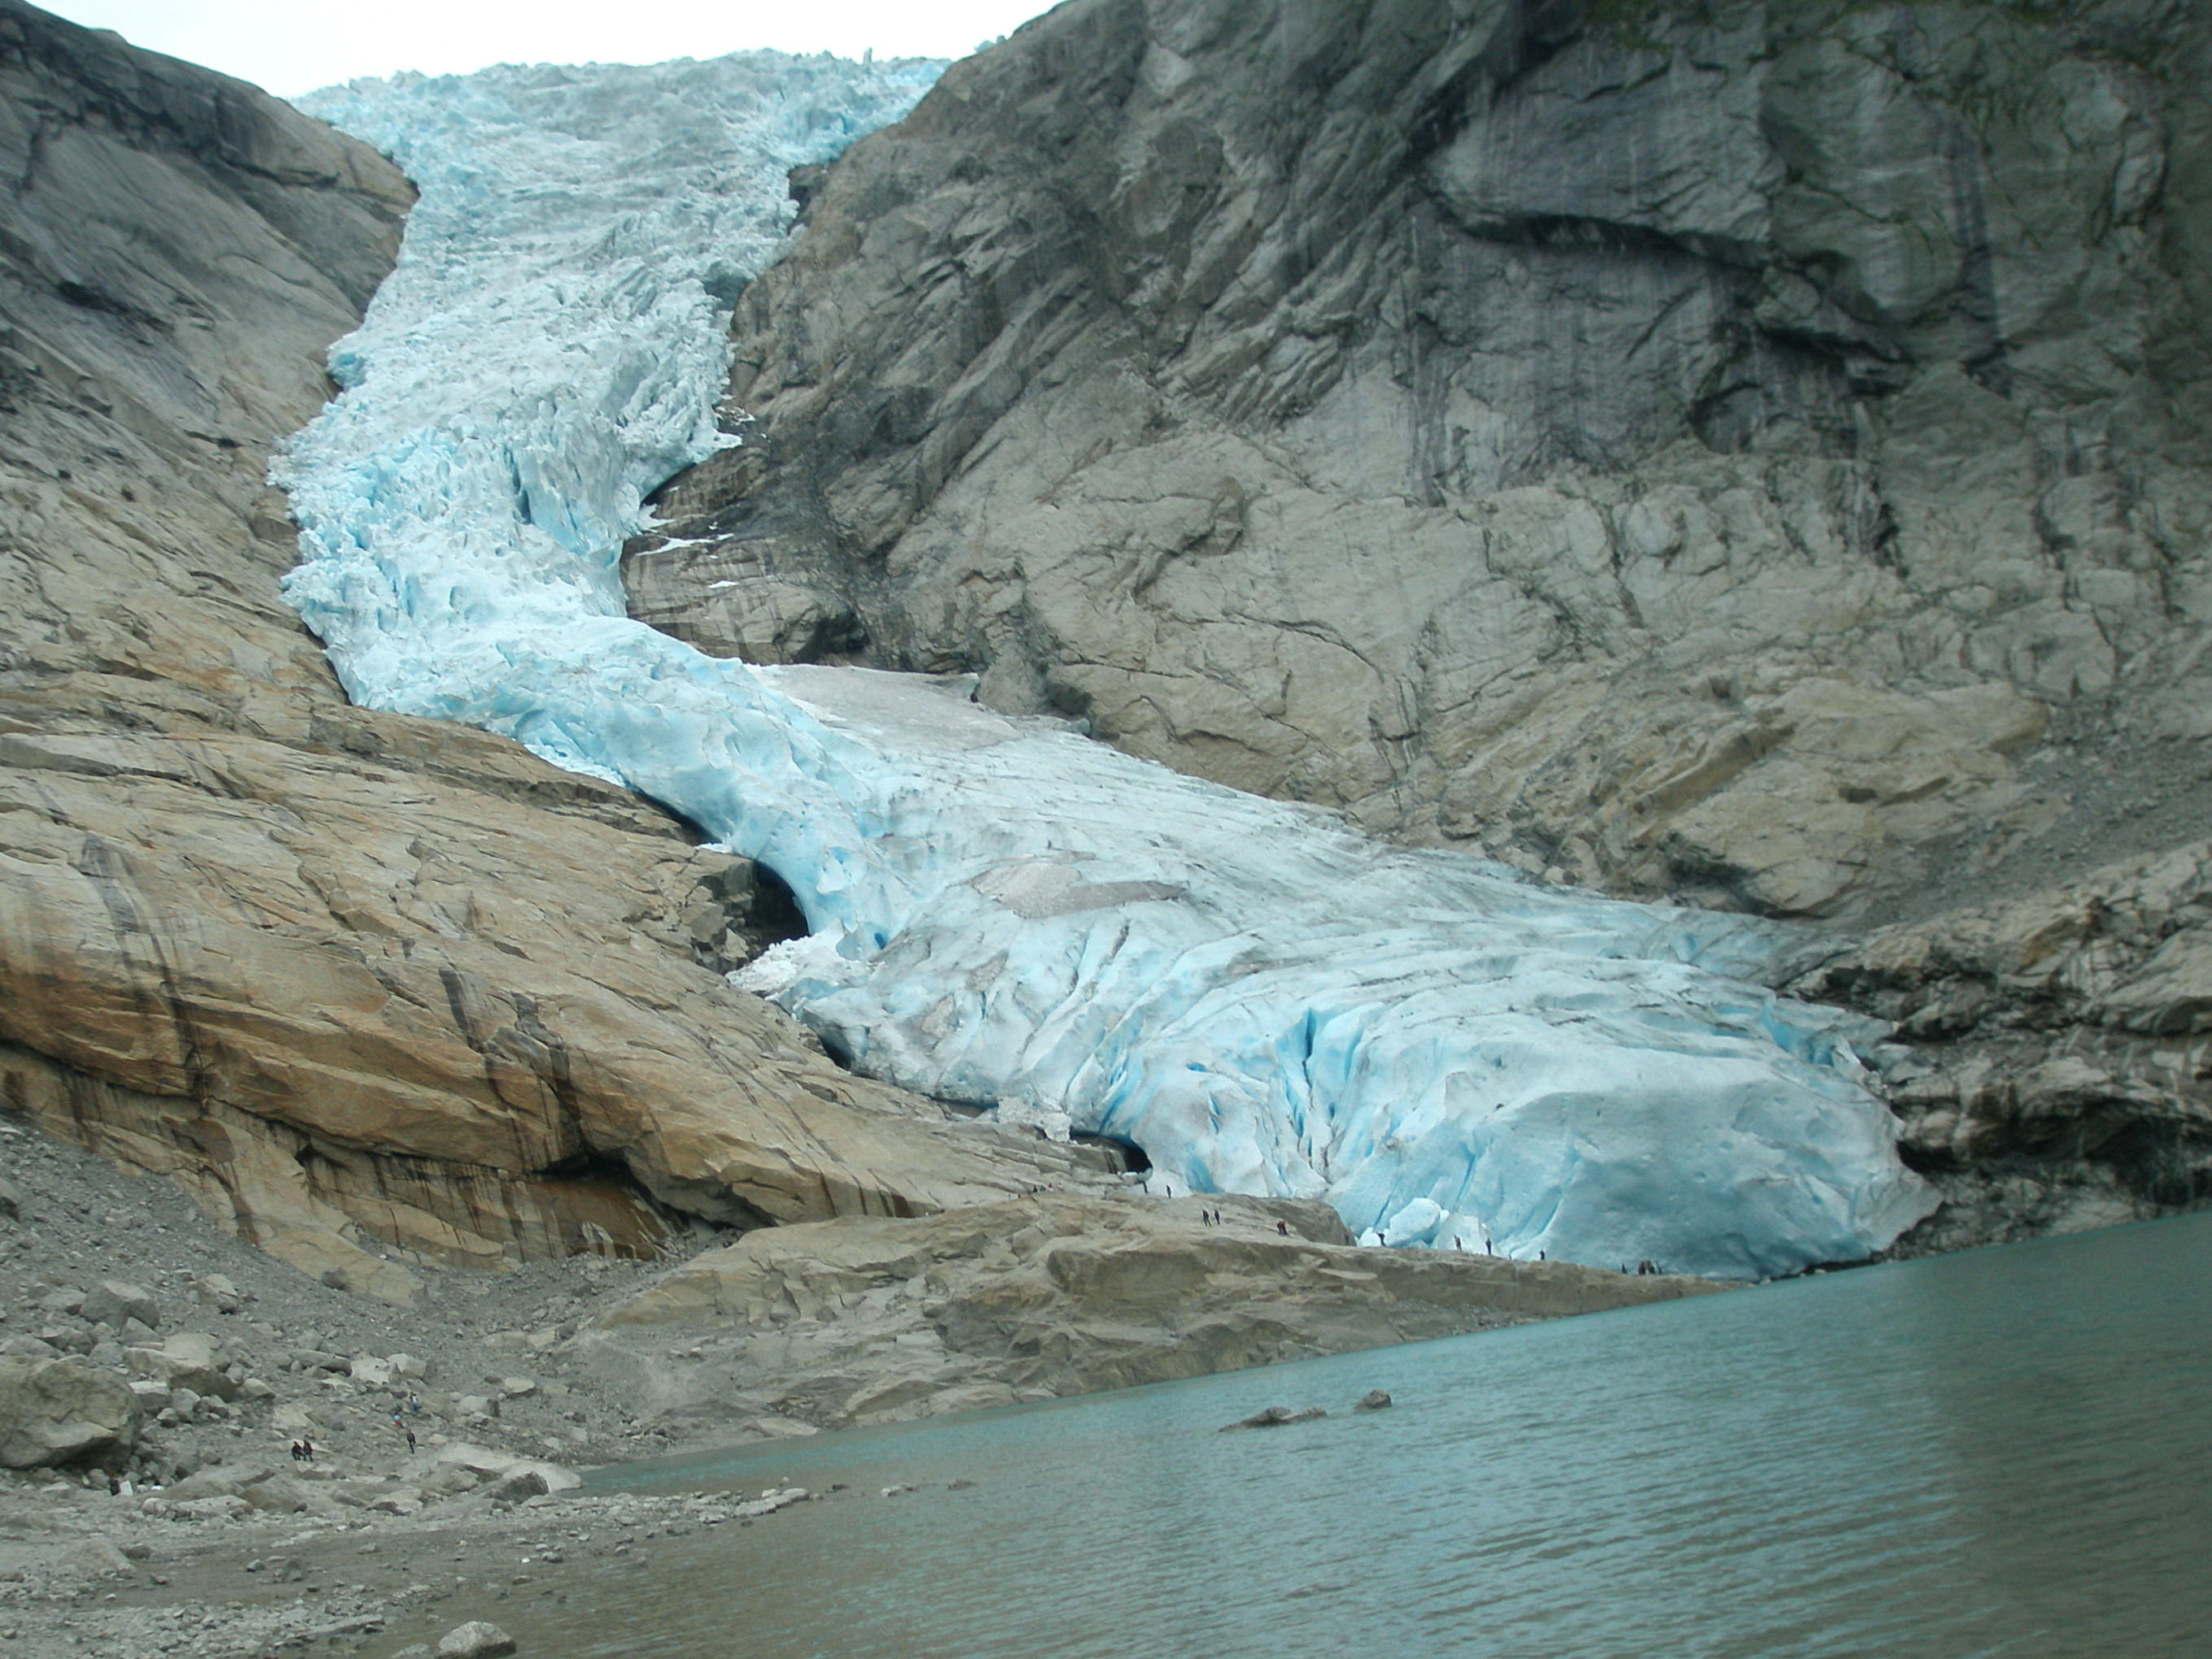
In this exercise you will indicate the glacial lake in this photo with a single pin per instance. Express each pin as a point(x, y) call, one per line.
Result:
point(2005, 1452)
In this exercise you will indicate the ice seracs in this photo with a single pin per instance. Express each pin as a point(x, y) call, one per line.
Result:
point(1003, 912)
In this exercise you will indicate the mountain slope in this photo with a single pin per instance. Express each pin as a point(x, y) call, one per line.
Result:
point(1739, 451)
point(353, 977)
point(1751, 453)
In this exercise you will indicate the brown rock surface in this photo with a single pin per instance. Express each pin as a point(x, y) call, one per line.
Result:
point(868, 1320)
point(344, 974)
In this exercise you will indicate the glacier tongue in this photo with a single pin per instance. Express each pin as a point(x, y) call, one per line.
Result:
point(1001, 910)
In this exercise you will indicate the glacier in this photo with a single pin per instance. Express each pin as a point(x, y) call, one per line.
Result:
point(1001, 910)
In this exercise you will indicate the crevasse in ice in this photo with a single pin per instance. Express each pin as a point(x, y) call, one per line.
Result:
point(1003, 910)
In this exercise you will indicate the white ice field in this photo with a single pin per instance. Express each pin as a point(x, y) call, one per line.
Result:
point(1261, 999)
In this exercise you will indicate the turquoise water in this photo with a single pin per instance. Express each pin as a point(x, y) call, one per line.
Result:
point(2007, 1452)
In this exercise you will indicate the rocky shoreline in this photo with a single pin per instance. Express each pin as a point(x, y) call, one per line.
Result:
point(379, 1004)
point(225, 1544)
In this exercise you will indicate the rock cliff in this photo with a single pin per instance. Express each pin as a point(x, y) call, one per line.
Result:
point(390, 996)
point(356, 980)
point(1748, 453)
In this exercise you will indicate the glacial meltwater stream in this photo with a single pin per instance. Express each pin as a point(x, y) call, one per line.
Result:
point(2006, 1452)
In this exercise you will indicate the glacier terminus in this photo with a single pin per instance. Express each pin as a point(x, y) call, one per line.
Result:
point(1001, 908)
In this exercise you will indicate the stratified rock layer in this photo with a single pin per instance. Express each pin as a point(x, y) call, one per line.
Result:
point(338, 972)
point(1742, 451)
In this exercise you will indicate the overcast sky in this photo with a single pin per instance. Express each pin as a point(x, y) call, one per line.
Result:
point(292, 47)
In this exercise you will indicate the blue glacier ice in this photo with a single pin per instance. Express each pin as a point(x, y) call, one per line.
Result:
point(1002, 910)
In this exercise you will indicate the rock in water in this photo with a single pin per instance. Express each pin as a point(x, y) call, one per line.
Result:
point(1375, 1400)
point(1274, 1417)
point(59, 1414)
point(474, 1640)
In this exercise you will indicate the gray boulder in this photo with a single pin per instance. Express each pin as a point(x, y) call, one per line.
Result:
point(112, 1302)
point(474, 1640)
point(60, 1413)
point(522, 1484)
point(189, 1359)
point(279, 1494)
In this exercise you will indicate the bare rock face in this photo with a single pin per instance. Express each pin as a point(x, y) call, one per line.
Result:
point(63, 1414)
point(354, 980)
point(865, 1320)
point(1749, 453)
point(1753, 453)
point(2064, 1025)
